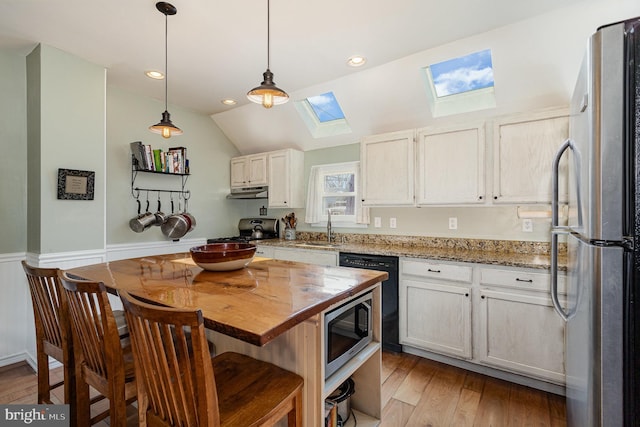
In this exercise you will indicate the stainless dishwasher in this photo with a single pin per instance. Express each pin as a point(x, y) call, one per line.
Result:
point(390, 317)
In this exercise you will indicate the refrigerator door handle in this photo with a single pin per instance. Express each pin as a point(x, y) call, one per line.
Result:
point(566, 316)
point(555, 204)
point(556, 229)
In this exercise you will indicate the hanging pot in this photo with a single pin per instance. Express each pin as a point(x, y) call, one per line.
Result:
point(160, 216)
point(142, 221)
point(176, 226)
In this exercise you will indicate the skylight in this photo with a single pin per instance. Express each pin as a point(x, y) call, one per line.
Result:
point(461, 84)
point(323, 115)
point(463, 74)
point(325, 107)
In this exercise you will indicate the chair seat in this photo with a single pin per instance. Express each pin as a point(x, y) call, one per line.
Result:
point(242, 397)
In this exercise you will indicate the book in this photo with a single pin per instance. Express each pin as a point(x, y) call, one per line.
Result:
point(157, 160)
point(138, 151)
point(149, 157)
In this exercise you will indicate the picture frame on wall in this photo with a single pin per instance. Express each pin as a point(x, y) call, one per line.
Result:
point(76, 184)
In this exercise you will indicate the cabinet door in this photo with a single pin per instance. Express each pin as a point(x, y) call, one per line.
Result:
point(387, 163)
point(436, 317)
point(286, 178)
point(524, 149)
point(239, 172)
point(451, 165)
point(257, 169)
point(279, 186)
point(522, 333)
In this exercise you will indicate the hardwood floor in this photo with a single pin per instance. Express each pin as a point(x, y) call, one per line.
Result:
point(421, 392)
point(415, 392)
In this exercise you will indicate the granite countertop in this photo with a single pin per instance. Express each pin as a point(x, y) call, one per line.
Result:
point(493, 252)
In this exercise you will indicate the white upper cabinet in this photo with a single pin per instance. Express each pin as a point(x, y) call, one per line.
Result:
point(387, 163)
point(524, 147)
point(249, 171)
point(451, 165)
point(286, 180)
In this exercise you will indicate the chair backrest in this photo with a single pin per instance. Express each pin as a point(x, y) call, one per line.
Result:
point(174, 373)
point(95, 329)
point(49, 308)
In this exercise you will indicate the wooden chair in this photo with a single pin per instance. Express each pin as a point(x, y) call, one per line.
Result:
point(101, 360)
point(179, 384)
point(53, 333)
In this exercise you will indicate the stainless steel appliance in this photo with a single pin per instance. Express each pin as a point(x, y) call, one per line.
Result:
point(252, 229)
point(390, 317)
point(347, 331)
point(603, 285)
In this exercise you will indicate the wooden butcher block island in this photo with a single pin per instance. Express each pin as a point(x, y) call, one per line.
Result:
point(272, 310)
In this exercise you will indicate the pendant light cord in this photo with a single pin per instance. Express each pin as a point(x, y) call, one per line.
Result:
point(268, 34)
point(166, 73)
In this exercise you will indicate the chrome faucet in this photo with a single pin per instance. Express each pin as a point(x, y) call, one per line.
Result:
point(329, 232)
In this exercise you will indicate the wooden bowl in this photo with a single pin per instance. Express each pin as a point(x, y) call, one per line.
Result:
point(223, 256)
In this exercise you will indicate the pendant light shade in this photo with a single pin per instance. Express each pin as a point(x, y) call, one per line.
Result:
point(268, 94)
point(165, 127)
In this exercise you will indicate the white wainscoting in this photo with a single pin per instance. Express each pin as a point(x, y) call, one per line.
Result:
point(17, 330)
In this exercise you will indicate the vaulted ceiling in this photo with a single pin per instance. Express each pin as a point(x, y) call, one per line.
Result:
point(218, 49)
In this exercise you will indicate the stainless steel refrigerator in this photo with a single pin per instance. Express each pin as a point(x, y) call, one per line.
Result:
point(602, 229)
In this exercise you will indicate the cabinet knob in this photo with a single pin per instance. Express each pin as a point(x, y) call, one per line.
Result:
point(495, 197)
point(480, 198)
point(466, 295)
point(482, 296)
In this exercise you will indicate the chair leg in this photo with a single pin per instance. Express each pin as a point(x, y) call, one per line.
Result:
point(81, 401)
point(294, 418)
point(44, 394)
point(70, 388)
point(118, 409)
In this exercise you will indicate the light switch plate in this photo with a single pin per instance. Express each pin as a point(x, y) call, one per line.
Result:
point(377, 222)
point(392, 223)
point(527, 225)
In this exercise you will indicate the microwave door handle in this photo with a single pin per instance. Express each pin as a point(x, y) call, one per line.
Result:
point(367, 309)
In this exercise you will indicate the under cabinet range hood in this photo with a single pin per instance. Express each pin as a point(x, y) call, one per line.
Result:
point(249, 193)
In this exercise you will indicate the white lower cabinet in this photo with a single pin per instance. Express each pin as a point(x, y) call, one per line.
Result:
point(518, 328)
point(435, 307)
point(522, 333)
point(498, 317)
point(440, 317)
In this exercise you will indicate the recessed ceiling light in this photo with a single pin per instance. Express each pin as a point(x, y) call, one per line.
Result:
point(356, 61)
point(229, 101)
point(154, 74)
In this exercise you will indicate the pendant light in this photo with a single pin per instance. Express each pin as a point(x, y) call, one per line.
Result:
point(268, 94)
point(165, 127)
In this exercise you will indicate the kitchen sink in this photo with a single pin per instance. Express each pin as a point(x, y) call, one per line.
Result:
point(325, 245)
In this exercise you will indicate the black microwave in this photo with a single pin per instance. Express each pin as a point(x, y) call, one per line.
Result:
point(348, 330)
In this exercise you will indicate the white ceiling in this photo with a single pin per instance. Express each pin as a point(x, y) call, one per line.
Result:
point(218, 49)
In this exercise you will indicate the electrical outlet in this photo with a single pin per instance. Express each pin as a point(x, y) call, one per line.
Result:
point(453, 223)
point(377, 222)
point(527, 225)
point(392, 223)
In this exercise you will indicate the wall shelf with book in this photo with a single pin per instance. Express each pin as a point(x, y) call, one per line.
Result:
point(173, 161)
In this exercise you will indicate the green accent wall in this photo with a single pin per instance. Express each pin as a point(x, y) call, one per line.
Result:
point(13, 145)
point(66, 129)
